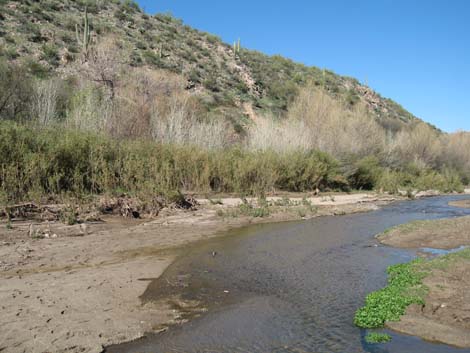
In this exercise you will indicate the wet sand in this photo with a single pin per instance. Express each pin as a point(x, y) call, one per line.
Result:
point(78, 290)
point(445, 316)
point(460, 203)
point(439, 234)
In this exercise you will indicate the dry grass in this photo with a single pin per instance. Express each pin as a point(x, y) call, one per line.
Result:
point(421, 145)
point(316, 121)
point(457, 151)
point(45, 100)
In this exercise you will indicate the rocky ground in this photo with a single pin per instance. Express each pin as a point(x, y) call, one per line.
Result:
point(445, 317)
point(76, 288)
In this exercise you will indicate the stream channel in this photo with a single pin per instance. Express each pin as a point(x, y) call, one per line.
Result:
point(289, 287)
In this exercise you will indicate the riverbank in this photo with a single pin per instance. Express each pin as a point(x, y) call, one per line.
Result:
point(444, 314)
point(460, 203)
point(76, 288)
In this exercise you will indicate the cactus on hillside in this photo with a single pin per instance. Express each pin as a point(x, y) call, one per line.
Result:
point(83, 35)
point(236, 47)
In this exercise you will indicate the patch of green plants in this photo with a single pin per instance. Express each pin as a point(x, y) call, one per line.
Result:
point(388, 304)
point(260, 211)
point(54, 161)
point(68, 216)
point(284, 201)
point(375, 337)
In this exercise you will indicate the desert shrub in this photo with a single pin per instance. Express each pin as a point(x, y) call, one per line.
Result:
point(45, 100)
point(334, 128)
point(35, 68)
point(15, 92)
point(50, 53)
point(89, 110)
point(457, 154)
point(58, 160)
point(446, 181)
point(365, 173)
point(389, 181)
point(280, 136)
point(302, 171)
point(420, 145)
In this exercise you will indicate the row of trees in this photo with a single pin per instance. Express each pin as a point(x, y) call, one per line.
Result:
point(105, 94)
point(316, 121)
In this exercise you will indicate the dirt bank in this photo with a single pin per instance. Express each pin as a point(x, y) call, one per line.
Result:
point(445, 316)
point(76, 288)
point(440, 234)
point(460, 203)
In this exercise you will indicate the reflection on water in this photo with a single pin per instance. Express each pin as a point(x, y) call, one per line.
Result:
point(440, 252)
point(289, 287)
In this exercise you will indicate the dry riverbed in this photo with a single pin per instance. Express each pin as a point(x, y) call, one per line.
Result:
point(445, 316)
point(76, 288)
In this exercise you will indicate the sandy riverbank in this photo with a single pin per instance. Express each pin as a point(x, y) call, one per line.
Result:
point(445, 316)
point(78, 290)
point(460, 203)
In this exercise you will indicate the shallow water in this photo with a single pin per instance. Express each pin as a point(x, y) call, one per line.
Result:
point(440, 252)
point(289, 287)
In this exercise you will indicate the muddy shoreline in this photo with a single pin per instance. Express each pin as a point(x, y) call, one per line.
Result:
point(80, 292)
point(445, 316)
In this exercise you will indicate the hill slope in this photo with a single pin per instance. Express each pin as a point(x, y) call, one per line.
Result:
point(43, 32)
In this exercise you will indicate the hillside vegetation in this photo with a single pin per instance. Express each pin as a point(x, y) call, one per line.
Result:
point(44, 34)
point(99, 97)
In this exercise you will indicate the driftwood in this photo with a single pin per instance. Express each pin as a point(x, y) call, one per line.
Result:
point(124, 206)
point(24, 210)
point(30, 210)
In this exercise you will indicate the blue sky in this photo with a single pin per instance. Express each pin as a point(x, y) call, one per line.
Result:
point(416, 52)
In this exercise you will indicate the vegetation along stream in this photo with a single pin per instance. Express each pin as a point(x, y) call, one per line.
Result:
point(289, 287)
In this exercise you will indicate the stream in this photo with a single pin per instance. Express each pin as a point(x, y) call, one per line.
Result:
point(289, 287)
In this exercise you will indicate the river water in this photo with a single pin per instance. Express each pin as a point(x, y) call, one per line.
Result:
point(289, 287)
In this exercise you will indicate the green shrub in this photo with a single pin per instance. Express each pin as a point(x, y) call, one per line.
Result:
point(55, 161)
point(301, 171)
point(16, 91)
point(50, 53)
point(247, 209)
point(389, 181)
point(366, 173)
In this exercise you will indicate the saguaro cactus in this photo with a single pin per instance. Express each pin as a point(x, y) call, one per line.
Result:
point(83, 35)
point(236, 47)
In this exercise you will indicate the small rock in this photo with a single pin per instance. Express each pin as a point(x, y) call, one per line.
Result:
point(84, 229)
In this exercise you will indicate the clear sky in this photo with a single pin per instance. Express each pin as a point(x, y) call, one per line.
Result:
point(416, 52)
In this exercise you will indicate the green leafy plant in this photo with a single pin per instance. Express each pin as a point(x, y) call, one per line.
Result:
point(247, 209)
point(69, 216)
point(374, 337)
point(388, 304)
